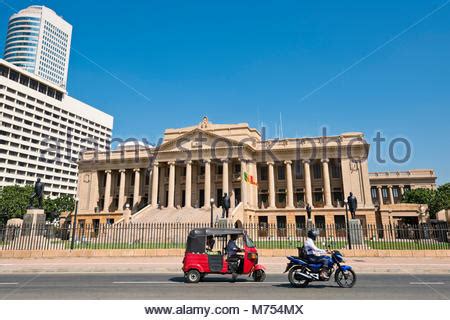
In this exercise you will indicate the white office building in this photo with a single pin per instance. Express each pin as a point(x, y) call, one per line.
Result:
point(38, 40)
point(43, 131)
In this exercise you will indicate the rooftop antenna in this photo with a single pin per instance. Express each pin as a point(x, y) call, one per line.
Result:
point(281, 127)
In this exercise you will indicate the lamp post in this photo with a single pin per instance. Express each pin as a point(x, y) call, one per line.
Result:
point(347, 225)
point(211, 202)
point(74, 224)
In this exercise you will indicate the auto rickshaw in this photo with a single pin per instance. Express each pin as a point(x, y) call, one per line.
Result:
point(199, 260)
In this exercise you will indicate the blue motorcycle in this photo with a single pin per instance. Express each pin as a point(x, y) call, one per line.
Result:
point(301, 272)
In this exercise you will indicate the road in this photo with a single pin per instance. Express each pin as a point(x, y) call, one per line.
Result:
point(171, 286)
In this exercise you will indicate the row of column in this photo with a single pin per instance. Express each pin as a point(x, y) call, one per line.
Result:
point(247, 190)
point(308, 185)
point(188, 190)
point(390, 193)
point(121, 204)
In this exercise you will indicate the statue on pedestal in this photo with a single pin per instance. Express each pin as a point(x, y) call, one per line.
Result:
point(38, 193)
point(352, 205)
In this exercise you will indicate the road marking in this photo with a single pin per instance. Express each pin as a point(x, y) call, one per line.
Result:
point(8, 283)
point(426, 283)
point(206, 282)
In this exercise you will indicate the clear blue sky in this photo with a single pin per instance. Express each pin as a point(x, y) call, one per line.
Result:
point(160, 64)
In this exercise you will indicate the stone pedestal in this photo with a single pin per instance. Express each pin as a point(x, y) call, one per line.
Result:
point(33, 222)
point(309, 224)
point(356, 232)
point(126, 216)
point(222, 223)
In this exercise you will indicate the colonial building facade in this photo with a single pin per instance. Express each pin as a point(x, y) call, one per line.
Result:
point(270, 182)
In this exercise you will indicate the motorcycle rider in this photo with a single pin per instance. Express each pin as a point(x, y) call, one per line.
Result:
point(314, 254)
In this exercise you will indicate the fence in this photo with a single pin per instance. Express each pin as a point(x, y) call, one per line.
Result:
point(172, 235)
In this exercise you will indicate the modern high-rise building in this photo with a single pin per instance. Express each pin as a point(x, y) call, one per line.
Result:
point(38, 40)
point(43, 131)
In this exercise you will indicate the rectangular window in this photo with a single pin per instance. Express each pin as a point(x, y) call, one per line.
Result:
point(317, 171)
point(281, 172)
point(336, 171)
point(298, 170)
point(263, 173)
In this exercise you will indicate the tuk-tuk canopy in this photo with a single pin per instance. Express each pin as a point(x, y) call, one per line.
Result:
point(196, 241)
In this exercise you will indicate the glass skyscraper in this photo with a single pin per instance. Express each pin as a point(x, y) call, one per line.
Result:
point(38, 40)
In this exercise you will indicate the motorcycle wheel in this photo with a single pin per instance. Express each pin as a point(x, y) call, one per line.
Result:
point(345, 279)
point(259, 276)
point(192, 276)
point(298, 283)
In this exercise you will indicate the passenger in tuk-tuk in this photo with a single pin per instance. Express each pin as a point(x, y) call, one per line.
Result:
point(210, 242)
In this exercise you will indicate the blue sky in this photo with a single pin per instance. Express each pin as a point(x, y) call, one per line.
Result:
point(348, 65)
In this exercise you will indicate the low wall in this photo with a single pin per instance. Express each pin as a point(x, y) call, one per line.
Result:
point(180, 253)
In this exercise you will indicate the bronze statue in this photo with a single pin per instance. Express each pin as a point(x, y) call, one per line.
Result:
point(38, 193)
point(352, 205)
point(308, 211)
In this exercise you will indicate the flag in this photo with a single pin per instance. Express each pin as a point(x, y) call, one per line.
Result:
point(249, 178)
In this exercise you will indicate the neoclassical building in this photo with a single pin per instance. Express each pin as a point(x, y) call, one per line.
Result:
point(270, 182)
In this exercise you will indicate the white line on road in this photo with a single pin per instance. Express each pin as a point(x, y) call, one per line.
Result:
point(8, 283)
point(182, 283)
point(426, 283)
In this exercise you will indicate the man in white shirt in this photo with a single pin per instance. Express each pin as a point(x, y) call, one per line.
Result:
point(314, 254)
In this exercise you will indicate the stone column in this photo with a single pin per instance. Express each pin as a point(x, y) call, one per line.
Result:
point(391, 194)
point(208, 184)
point(150, 179)
point(271, 185)
point(137, 184)
point(402, 190)
point(225, 178)
point(308, 187)
point(380, 195)
point(107, 201)
point(327, 183)
point(290, 185)
point(243, 182)
point(171, 200)
point(155, 184)
point(188, 189)
point(122, 190)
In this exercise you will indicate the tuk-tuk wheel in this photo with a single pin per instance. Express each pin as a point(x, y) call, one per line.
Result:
point(193, 276)
point(259, 276)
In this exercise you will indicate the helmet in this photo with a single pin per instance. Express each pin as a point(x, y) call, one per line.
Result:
point(313, 234)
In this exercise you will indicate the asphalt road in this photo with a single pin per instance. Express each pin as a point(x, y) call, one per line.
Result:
point(171, 286)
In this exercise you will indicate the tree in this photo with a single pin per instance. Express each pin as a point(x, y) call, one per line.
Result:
point(14, 201)
point(436, 200)
point(54, 207)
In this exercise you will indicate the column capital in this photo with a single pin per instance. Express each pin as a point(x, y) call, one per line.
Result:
point(288, 162)
point(136, 169)
point(270, 163)
point(171, 163)
point(206, 160)
point(390, 186)
point(306, 161)
point(401, 186)
point(122, 170)
point(107, 171)
point(188, 162)
point(155, 163)
point(325, 160)
point(379, 187)
point(226, 160)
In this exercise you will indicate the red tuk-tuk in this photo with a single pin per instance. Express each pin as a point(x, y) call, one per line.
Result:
point(199, 260)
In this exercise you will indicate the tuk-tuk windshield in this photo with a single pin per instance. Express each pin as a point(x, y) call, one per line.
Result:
point(249, 242)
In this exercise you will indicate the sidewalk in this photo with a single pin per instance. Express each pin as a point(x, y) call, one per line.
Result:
point(173, 265)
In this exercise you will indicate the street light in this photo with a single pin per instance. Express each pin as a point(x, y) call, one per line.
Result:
point(72, 243)
point(211, 202)
point(347, 224)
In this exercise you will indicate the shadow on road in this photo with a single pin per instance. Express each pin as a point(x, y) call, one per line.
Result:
point(223, 279)
point(321, 286)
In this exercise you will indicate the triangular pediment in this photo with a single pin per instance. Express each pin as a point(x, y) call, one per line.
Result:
point(199, 139)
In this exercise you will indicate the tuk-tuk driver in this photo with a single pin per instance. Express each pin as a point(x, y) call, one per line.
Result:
point(232, 252)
